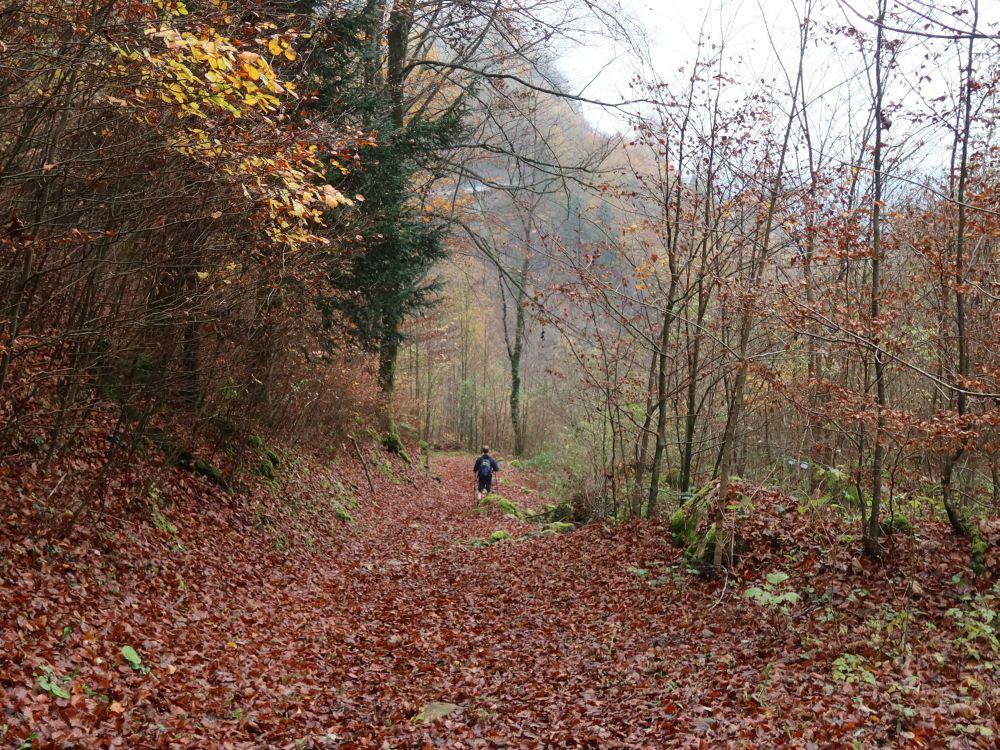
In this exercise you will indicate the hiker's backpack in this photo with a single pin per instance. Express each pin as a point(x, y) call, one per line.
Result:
point(485, 470)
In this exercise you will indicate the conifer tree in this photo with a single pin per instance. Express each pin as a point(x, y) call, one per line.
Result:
point(360, 69)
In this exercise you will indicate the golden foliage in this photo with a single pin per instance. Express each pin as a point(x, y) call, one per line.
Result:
point(220, 101)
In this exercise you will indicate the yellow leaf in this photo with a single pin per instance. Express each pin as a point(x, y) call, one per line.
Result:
point(274, 46)
point(202, 275)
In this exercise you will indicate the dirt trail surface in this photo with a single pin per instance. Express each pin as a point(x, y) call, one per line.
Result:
point(594, 638)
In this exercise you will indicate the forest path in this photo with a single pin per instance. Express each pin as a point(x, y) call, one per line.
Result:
point(538, 639)
point(595, 638)
point(253, 634)
point(602, 638)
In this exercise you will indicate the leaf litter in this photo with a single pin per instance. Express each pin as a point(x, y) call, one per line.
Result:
point(281, 627)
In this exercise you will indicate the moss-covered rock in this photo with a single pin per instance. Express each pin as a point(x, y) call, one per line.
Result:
point(558, 527)
point(341, 513)
point(687, 519)
point(700, 553)
point(268, 460)
point(688, 530)
point(702, 549)
point(343, 495)
point(264, 468)
point(211, 472)
point(497, 536)
point(551, 512)
point(385, 468)
point(175, 454)
point(683, 527)
point(393, 443)
point(897, 523)
point(509, 507)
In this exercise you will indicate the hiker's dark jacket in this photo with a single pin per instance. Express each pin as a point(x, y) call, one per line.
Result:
point(494, 466)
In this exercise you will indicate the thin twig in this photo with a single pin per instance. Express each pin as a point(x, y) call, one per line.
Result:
point(722, 596)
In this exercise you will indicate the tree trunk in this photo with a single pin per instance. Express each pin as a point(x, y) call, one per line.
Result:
point(727, 451)
point(191, 363)
point(397, 42)
point(958, 524)
point(872, 530)
point(661, 402)
point(643, 446)
point(691, 403)
point(429, 382)
point(388, 352)
point(514, 352)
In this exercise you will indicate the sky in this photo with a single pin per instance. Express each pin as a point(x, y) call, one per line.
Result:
point(603, 68)
point(759, 36)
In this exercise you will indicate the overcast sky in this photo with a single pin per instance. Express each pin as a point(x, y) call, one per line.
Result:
point(758, 34)
point(672, 29)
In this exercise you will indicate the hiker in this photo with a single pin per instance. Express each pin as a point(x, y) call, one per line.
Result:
point(484, 469)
